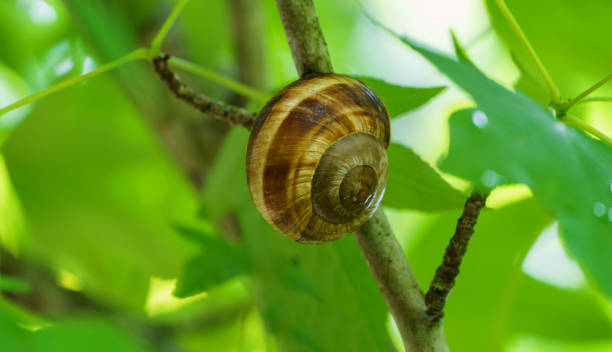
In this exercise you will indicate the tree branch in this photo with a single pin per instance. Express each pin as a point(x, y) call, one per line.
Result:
point(228, 113)
point(398, 285)
point(383, 253)
point(447, 272)
point(304, 36)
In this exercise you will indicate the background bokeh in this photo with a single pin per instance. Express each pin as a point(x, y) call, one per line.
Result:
point(112, 189)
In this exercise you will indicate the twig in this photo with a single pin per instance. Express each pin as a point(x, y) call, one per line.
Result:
point(398, 285)
point(564, 107)
point(595, 99)
point(156, 43)
point(447, 272)
point(137, 54)
point(581, 124)
point(305, 36)
point(230, 114)
point(238, 87)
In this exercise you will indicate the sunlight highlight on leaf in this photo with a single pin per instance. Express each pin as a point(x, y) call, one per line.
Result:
point(547, 261)
point(68, 280)
point(507, 194)
point(161, 300)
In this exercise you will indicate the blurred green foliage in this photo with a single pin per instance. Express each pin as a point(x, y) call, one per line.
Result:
point(116, 200)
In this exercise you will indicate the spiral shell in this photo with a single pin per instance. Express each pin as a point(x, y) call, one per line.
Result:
point(316, 161)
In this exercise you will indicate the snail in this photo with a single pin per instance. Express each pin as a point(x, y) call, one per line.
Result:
point(316, 157)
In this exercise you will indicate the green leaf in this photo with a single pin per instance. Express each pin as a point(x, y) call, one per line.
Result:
point(580, 59)
point(536, 306)
point(218, 262)
point(512, 137)
point(460, 52)
point(398, 99)
point(551, 168)
point(413, 184)
point(493, 300)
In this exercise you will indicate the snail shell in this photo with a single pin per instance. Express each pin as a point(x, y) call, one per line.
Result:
point(316, 161)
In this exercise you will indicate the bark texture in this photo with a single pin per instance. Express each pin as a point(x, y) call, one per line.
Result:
point(304, 36)
point(447, 272)
point(228, 113)
point(398, 285)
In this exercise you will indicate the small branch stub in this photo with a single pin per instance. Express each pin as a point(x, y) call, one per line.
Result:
point(228, 113)
point(444, 279)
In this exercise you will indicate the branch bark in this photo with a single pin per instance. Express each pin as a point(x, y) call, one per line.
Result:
point(228, 113)
point(305, 37)
point(383, 253)
point(398, 285)
point(447, 272)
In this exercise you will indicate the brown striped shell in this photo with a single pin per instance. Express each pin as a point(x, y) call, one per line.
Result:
point(316, 161)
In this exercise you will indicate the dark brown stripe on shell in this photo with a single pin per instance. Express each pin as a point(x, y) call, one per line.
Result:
point(264, 112)
point(383, 115)
point(278, 167)
point(366, 98)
